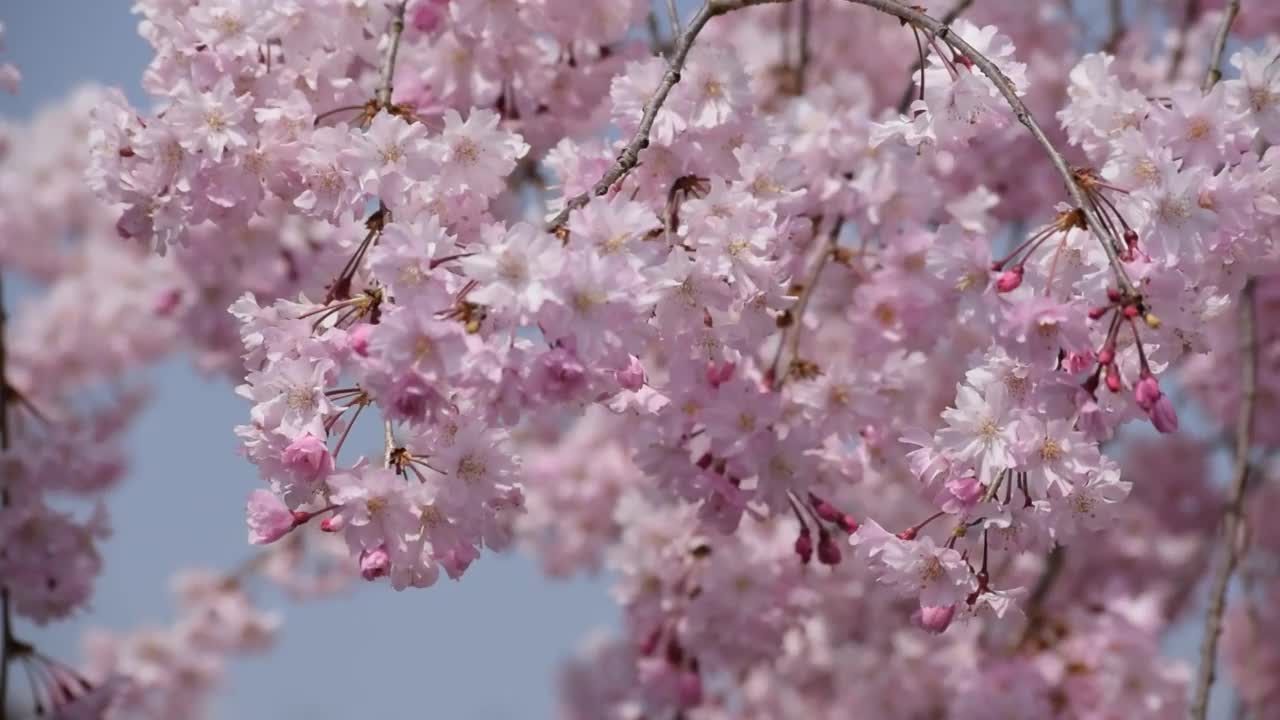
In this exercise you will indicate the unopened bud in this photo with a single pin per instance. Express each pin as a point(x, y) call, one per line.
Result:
point(1009, 280)
point(1113, 378)
point(828, 551)
point(1098, 312)
point(934, 619)
point(804, 546)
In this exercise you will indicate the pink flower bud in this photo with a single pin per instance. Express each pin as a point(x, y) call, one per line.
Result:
point(631, 377)
point(804, 546)
point(828, 551)
point(1113, 378)
point(1147, 392)
point(375, 563)
point(1107, 355)
point(1010, 279)
point(268, 518)
point(168, 302)
point(1163, 415)
point(333, 523)
point(718, 375)
point(427, 15)
point(934, 619)
point(848, 523)
point(307, 457)
point(1095, 313)
point(690, 689)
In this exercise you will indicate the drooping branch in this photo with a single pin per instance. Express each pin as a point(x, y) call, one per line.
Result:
point(1180, 50)
point(383, 94)
point(789, 343)
point(802, 66)
point(1219, 44)
point(1006, 89)
point(6, 621)
point(1233, 516)
point(904, 103)
point(630, 155)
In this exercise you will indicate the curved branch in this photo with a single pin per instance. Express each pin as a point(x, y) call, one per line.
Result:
point(7, 640)
point(1234, 513)
point(383, 94)
point(1005, 87)
point(1219, 44)
point(630, 155)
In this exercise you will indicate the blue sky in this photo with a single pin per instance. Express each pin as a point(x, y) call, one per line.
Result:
point(485, 648)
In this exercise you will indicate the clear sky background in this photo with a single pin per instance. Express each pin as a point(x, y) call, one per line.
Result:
point(485, 648)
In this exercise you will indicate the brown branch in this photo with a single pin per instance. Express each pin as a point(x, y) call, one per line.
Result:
point(630, 155)
point(7, 641)
point(791, 335)
point(802, 66)
point(1116, 13)
point(1180, 50)
point(1219, 44)
point(1002, 84)
point(1234, 512)
point(904, 103)
point(383, 94)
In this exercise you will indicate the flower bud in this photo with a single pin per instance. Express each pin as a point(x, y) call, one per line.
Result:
point(1113, 378)
point(632, 377)
point(828, 551)
point(1163, 415)
point(804, 546)
point(934, 619)
point(1010, 279)
point(1146, 392)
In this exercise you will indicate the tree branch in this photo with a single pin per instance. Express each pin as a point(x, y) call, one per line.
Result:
point(383, 94)
point(790, 340)
point(6, 620)
point(802, 66)
point(904, 103)
point(630, 155)
point(1219, 44)
point(1234, 513)
point(1005, 87)
point(1180, 50)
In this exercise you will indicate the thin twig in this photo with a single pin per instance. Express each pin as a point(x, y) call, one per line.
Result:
point(1005, 87)
point(1219, 44)
point(1234, 513)
point(389, 443)
point(674, 15)
point(790, 340)
point(802, 67)
point(6, 621)
point(630, 155)
point(1180, 50)
point(905, 102)
point(1116, 12)
point(383, 95)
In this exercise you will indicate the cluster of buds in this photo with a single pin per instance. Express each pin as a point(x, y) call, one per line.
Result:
point(1013, 266)
point(1125, 310)
point(822, 514)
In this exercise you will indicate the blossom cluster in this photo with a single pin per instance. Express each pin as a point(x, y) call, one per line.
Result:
point(839, 370)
